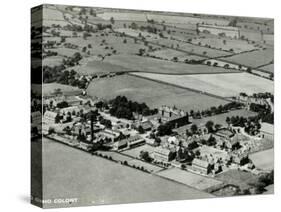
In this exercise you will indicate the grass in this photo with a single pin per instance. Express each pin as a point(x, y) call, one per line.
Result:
point(224, 85)
point(263, 160)
point(269, 68)
point(238, 178)
point(52, 61)
point(253, 59)
point(193, 180)
point(217, 42)
point(69, 172)
point(135, 152)
point(152, 93)
point(147, 64)
point(48, 88)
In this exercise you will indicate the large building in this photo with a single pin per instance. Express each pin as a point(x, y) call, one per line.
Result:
point(201, 166)
point(174, 116)
point(163, 154)
point(227, 31)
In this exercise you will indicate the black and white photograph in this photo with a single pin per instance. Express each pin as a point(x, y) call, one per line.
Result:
point(131, 106)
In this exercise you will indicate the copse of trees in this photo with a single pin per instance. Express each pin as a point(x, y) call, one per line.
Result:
point(121, 107)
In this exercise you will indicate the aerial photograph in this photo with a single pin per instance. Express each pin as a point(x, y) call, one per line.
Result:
point(131, 106)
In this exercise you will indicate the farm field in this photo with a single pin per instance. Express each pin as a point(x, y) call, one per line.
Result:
point(236, 45)
point(224, 85)
point(48, 88)
point(253, 59)
point(190, 179)
point(152, 93)
point(264, 159)
point(146, 64)
point(52, 61)
point(269, 68)
point(97, 67)
point(61, 165)
point(169, 54)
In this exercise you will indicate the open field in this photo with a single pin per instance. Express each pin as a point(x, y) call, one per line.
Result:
point(96, 67)
point(238, 178)
point(263, 160)
point(52, 61)
point(225, 85)
point(90, 177)
point(193, 180)
point(146, 64)
point(169, 54)
point(218, 42)
point(152, 93)
point(48, 88)
point(269, 68)
point(253, 59)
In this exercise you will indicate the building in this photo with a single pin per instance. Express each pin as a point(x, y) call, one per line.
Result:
point(119, 144)
point(163, 154)
point(50, 117)
point(226, 31)
point(201, 166)
point(128, 142)
point(173, 116)
point(146, 125)
point(111, 134)
point(267, 130)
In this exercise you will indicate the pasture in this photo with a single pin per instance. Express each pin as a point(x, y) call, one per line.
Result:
point(190, 179)
point(152, 93)
point(224, 85)
point(147, 64)
point(253, 59)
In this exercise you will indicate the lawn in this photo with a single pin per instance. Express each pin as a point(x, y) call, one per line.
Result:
point(264, 159)
point(224, 85)
point(135, 152)
point(147, 64)
point(152, 93)
point(190, 179)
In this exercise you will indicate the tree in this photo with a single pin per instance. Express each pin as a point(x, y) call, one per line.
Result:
point(210, 126)
point(145, 156)
point(141, 130)
point(194, 128)
point(112, 21)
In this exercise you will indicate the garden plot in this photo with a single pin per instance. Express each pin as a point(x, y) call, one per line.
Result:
point(190, 179)
point(224, 85)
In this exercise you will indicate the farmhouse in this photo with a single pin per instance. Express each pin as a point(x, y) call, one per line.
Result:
point(163, 154)
point(227, 31)
point(201, 166)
